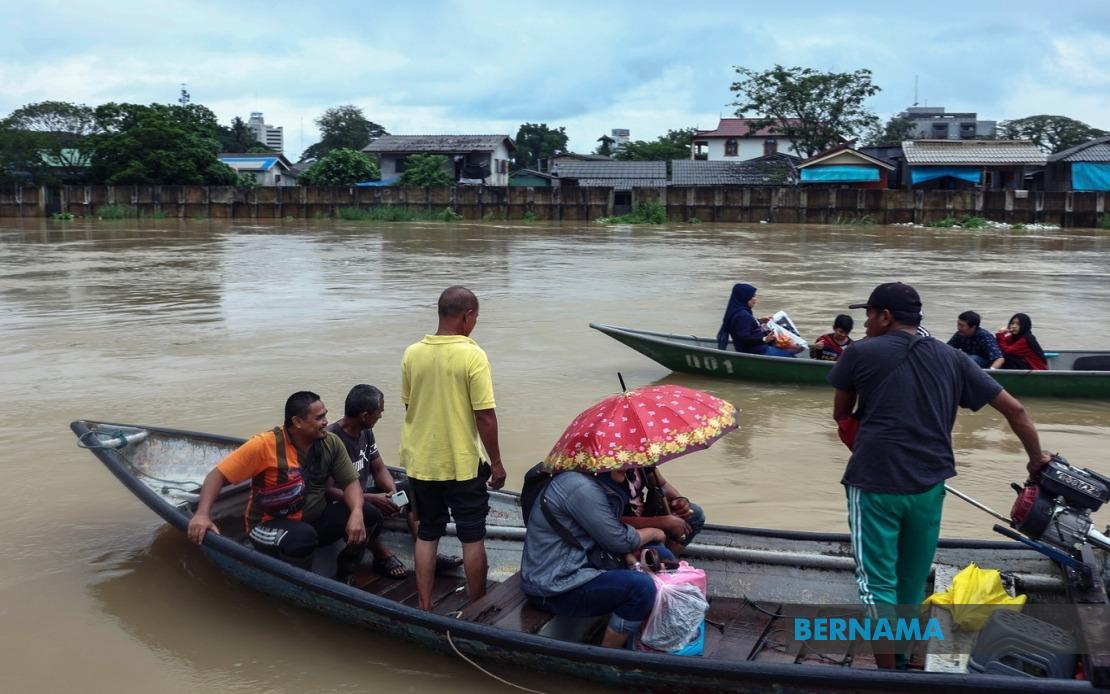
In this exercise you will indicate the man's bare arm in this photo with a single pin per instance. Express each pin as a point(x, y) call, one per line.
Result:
point(486, 421)
point(1022, 424)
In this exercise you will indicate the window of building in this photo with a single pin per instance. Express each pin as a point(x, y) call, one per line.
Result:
point(770, 146)
point(701, 150)
point(399, 164)
point(732, 147)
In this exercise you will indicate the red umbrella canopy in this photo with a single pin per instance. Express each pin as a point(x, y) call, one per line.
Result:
point(643, 427)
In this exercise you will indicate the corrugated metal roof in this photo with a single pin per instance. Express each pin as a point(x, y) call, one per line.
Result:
point(754, 172)
point(610, 169)
point(973, 152)
point(438, 143)
point(241, 163)
point(1092, 150)
point(741, 127)
point(622, 183)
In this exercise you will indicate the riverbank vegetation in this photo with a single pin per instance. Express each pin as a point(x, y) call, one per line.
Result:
point(391, 213)
point(645, 213)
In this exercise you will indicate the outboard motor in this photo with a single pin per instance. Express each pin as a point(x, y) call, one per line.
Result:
point(1056, 507)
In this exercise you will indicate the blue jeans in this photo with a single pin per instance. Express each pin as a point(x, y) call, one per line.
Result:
point(696, 522)
point(628, 595)
point(981, 361)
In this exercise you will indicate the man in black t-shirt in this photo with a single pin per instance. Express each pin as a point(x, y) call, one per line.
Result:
point(905, 390)
point(362, 409)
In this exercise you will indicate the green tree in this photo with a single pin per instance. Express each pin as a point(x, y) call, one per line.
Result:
point(605, 148)
point(893, 132)
point(343, 126)
point(240, 138)
point(535, 142)
point(341, 167)
point(158, 144)
point(1051, 133)
point(814, 109)
point(426, 170)
point(50, 140)
point(674, 145)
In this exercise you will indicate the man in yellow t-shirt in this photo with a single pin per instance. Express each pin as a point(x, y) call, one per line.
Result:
point(447, 390)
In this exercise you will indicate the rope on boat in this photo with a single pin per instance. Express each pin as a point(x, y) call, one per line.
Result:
point(485, 671)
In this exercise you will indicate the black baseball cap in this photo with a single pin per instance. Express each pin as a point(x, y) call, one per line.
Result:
point(894, 296)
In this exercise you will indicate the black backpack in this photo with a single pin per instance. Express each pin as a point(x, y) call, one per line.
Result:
point(535, 482)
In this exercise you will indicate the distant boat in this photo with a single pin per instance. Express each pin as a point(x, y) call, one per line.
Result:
point(1070, 374)
point(752, 573)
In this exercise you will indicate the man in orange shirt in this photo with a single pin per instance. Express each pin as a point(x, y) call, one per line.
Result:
point(289, 515)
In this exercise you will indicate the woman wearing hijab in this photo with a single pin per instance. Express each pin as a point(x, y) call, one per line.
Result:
point(1019, 346)
point(743, 327)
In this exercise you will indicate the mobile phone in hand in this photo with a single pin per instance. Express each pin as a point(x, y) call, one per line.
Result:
point(400, 499)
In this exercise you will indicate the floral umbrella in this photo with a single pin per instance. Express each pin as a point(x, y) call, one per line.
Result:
point(640, 428)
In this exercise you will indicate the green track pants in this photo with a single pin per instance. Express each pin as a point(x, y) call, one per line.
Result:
point(894, 540)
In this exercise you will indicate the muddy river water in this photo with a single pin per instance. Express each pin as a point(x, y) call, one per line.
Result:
point(209, 326)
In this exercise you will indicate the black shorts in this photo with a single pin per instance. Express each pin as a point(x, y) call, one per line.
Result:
point(467, 502)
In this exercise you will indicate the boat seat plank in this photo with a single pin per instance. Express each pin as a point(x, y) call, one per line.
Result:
point(524, 617)
point(442, 587)
point(501, 598)
point(953, 662)
point(456, 600)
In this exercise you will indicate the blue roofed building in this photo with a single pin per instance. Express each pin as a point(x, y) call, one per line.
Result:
point(268, 168)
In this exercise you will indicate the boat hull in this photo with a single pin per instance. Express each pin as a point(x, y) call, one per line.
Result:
point(764, 550)
point(695, 355)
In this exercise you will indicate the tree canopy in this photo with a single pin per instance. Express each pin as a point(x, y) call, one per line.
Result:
point(158, 144)
point(240, 138)
point(346, 127)
point(674, 145)
point(49, 140)
point(535, 142)
point(814, 109)
point(1051, 133)
point(341, 167)
point(893, 132)
point(605, 146)
point(426, 170)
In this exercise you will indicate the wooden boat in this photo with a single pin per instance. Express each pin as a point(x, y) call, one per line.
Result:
point(751, 571)
point(1070, 374)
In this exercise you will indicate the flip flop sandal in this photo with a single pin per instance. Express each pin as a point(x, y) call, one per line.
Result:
point(446, 563)
point(390, 567)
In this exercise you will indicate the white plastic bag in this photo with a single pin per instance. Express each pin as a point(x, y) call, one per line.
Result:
point(786, 333)
point(676, 618)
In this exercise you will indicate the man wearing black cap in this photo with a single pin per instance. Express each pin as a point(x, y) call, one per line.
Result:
point(908, 389)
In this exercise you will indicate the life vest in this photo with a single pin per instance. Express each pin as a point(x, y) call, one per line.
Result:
point(284, 496)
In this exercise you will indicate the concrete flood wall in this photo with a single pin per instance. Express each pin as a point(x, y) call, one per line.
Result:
point(571, 204)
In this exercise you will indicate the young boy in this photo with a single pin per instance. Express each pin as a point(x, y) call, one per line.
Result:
point(830, 346)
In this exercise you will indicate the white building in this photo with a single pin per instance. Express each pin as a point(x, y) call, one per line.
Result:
point(735, 140)
point(269, 169)
point(272, 137)
point(473, 159)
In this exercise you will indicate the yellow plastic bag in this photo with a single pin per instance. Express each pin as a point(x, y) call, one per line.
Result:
point(973, 596)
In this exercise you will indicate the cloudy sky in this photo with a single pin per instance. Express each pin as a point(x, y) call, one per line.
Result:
point(487, 67)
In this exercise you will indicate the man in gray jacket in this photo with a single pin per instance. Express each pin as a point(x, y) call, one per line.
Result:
point(577, 518)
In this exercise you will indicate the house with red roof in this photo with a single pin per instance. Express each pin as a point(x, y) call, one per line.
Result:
point(734, 139)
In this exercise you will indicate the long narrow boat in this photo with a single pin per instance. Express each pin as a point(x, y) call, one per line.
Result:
point(1070, 374)
point(752, 573)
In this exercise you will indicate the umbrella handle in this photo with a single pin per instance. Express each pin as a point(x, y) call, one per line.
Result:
point(621, 379)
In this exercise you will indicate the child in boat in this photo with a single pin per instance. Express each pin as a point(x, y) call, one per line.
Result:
point(830, 346)
point(1019, 346)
